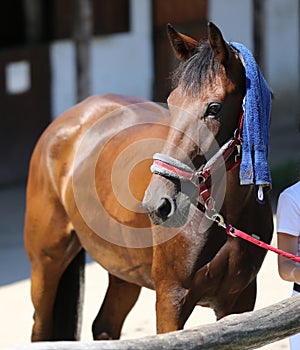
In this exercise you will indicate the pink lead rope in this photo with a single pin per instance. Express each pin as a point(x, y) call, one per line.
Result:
point(231, 231)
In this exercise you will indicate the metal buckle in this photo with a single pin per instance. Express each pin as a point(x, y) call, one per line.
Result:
point(200, 176)
point(231, 232)
point(210, 204)
point(236, 133)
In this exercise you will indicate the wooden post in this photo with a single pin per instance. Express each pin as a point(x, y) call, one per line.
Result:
point(298, 61)
point(259, 31)
point(250, 330)
point(33, 19)
point(83, 31)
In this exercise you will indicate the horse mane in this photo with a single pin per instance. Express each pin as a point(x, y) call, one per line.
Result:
point(200, 68)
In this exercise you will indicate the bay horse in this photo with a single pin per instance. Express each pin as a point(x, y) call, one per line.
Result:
point(90, 182)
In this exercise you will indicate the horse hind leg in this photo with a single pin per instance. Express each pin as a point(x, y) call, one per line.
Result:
point(57, 298)
point(67, 310)
point(120, 298)
point(51, 247)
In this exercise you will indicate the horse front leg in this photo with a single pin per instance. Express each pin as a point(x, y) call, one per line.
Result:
point(170, 274)
point(173, 307)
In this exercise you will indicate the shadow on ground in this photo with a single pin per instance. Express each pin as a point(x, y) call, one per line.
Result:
point(14, 263)
point(13, 260)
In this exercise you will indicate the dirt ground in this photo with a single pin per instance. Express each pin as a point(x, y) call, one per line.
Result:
point(16, 308)
point(15, 305)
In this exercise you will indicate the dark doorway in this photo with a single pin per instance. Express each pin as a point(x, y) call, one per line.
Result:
point(27, 27)
point(24, 86)
point(24, 107)
point(189, 17)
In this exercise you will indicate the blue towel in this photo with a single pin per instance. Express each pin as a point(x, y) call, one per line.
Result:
point(254, 167)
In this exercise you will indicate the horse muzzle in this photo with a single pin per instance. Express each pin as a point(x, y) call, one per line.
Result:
point(165, 203)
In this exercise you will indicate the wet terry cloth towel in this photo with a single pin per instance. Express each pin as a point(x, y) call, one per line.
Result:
point(254, 167)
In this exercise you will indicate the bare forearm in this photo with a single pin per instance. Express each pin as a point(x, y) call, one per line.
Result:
point(289, 271)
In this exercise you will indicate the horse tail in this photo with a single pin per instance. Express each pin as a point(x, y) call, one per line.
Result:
point(67, 311)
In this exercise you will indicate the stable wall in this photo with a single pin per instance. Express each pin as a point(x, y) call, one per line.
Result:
point(120, 63)
point(281, 68)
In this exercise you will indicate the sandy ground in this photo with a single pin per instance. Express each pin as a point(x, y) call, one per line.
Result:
point(16, 309)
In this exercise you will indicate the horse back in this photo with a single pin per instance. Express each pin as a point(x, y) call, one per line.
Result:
point(55, 150)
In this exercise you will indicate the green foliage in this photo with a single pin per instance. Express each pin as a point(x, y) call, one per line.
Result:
point(284, 175)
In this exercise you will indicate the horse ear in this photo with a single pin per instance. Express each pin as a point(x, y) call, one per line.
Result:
point(184, 46)
point(218, 44)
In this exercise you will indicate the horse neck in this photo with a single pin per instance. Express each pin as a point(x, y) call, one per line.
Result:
point(238, 198)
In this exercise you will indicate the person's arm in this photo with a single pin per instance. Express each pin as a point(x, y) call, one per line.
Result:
point(288, 269)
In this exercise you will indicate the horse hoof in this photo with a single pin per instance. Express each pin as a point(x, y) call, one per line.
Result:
point(103, 336)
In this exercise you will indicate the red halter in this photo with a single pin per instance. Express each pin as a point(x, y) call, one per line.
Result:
point(168, 166)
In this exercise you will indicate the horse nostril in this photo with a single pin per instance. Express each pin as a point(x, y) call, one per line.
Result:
point(165, 210)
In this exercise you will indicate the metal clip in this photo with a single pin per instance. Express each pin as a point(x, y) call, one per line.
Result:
point(237, 157)
point(217, 218)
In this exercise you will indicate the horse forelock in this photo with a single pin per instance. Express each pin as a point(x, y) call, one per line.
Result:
point(198, 70)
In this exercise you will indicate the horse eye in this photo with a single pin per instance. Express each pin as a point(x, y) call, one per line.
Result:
point(213, 109)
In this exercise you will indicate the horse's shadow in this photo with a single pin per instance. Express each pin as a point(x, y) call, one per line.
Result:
point(13, 260)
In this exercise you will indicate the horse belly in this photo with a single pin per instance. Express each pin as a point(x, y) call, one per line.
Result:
point(129, 264)
point(117, 238)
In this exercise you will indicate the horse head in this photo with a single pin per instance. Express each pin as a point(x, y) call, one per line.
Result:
point(205, 108)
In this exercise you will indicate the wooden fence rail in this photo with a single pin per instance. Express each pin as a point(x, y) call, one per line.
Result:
point(250, 330)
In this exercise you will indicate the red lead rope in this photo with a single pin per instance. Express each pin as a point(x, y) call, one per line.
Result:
point(206, 196)
point(231, 231)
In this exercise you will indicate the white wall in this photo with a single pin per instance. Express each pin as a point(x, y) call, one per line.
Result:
point(121, 63)
point(63, 92)
point(234, 18)
point(281, 68)
point(282, 42)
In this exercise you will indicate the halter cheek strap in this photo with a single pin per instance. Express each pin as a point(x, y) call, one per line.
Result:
point(170, 167)
point(167, 166)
